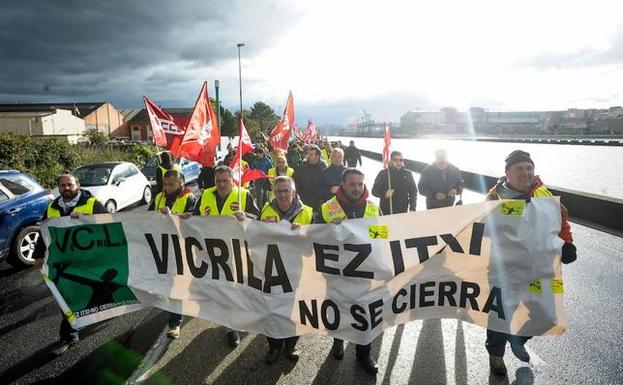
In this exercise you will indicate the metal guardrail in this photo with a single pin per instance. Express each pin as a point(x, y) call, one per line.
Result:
point(597, 211)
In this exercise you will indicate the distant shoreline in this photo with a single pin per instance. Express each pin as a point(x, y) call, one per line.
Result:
point(569, 140)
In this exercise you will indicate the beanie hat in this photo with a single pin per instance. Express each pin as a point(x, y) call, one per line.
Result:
point(517, 156)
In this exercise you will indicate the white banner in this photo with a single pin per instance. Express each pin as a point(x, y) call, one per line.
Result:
point(494, 264)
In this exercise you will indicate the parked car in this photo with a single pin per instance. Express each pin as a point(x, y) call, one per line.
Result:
point(116, 184)
point(23, 203)
point(190, 169)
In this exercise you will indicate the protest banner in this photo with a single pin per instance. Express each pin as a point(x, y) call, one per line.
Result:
point(494, 264)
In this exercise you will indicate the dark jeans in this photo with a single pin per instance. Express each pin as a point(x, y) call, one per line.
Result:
point(67, 332)
point(175, 319)
point(362, 350)
point(496, 342)
point(276, 343)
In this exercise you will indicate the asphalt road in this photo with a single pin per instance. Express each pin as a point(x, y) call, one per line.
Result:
point(133, 347)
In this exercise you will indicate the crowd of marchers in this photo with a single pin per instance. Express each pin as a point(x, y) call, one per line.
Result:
point(313, 183)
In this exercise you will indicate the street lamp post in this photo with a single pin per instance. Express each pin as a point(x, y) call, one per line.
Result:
point(240, 77)
point(218, 112)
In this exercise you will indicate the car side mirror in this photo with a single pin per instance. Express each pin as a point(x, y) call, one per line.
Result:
point(119, 180)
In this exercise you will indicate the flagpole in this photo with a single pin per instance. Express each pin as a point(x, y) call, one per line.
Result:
point(240, 133)
point(389, 184)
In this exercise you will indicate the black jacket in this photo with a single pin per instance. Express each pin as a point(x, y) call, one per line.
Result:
point(306, 178)
point(352, 156)
point(98, 208)
point(434, 180)
point(329, 177)
point(405, 190)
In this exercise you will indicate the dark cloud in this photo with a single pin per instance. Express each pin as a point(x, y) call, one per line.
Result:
point(582, 58)
point(118, 50)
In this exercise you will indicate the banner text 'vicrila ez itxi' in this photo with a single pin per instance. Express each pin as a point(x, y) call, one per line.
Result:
point(494, 264)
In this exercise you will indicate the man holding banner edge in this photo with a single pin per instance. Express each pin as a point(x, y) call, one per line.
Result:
point(350, 202)
point(74, 202)
point(521, 183)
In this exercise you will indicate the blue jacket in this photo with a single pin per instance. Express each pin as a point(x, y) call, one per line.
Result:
point(262, 164)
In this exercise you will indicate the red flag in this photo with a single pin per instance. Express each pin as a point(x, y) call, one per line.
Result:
point(311, 135)
point(158, 120)
point(280, 135)
point(297, 132)
point(202, 135)
point(386, 148)
point(244, 146)
point(251, 174)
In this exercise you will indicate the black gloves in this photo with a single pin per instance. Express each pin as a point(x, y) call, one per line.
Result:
point(568, 253)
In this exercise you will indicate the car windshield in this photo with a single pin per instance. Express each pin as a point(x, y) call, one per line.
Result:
point(19, 184)
point(94, 175)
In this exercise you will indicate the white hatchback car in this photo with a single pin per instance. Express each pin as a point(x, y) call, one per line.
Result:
point(116, 184)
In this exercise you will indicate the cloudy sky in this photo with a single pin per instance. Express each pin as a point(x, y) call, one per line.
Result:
point(337, 56)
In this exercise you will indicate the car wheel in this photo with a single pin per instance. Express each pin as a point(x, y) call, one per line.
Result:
point(147, 195)
point(24, 246)
point(111, 206)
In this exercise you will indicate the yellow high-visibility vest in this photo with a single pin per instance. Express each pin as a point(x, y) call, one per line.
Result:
point(178, 206)
point(303, 218)
point(539, 192)
point(86, 209)
point(208, 199)
point(174, 167)
point(272, 172)
point(332, 210)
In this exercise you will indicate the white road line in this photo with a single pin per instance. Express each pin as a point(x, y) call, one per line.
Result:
point(146, 367)
point(535, 360)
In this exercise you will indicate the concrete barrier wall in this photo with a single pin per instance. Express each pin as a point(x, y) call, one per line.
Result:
point(596, 211)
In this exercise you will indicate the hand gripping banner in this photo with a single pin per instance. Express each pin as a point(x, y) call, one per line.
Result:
point(494, 264)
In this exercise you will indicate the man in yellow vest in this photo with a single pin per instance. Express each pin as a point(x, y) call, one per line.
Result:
point(286, 206)
point(74, 202)
point(521, 183)
point(165, 165)
point(222, 199)
point(281, 169)
point(350, 202)
point(177, 200)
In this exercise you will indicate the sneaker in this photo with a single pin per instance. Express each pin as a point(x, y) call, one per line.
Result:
point(368, 363)
point(272, 356)
point(519, 350)
point(234, 338)
point(496, 365)
point(174, 332)
point(64, 345)
point(292, 354)
point(338, 349)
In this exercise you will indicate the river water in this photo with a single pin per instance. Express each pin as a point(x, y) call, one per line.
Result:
point(593, 169)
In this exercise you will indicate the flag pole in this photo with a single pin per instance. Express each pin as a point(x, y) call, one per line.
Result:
point(389, 184)
point(240, 134)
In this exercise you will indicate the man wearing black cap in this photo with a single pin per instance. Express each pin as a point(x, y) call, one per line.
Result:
point(521, 183)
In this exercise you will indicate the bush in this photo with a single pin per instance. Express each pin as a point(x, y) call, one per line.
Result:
point(47, 158)
point(95, 136)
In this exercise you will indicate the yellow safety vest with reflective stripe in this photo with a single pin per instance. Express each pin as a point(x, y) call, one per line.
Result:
point(174, 167)
point(326, 156)
point(269, 214)
point(178, 206)
point(272, 172)
point(539, 192)
point(332, 210)
point(86, 209)
point(208, 199)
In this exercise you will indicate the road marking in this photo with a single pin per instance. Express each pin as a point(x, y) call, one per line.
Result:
point(147, 365)
point(535, 360)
